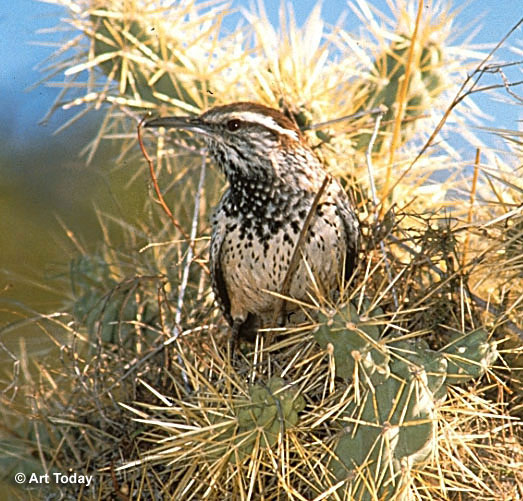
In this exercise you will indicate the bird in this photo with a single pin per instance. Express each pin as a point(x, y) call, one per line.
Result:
point(273, 179)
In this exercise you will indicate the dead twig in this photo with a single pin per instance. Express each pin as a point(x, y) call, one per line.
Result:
point(159, 195)
point(154, 179)
point(472, 199)
point(375, 200)
point(280, 312)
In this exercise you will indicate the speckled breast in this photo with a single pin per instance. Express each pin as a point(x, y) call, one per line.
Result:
point(255, 256)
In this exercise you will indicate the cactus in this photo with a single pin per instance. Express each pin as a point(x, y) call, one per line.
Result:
point(468, 356)
point(426, 83)
point(302, 116)
point(393, 431)
point(105, 306)
point(355, 343)
point(270, 410)
point(390, 427)
point(118, 37)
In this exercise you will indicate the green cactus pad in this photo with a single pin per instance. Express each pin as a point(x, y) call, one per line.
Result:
point(270, 410)
point(469, 356)
point(355, 344)
point(390, 426)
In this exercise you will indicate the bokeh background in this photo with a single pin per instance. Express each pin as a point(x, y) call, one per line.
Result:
point(46, 188)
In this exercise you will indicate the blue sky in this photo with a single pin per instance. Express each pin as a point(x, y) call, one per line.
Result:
point(19, 21)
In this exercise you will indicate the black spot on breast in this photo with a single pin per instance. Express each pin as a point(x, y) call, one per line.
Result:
point(274, 226)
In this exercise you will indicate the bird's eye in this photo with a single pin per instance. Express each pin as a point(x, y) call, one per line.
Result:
point(233, 124)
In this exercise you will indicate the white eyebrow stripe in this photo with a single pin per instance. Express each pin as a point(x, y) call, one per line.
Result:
point(266, 121)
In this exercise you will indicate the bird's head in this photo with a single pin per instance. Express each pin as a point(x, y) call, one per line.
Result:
point(246, 140)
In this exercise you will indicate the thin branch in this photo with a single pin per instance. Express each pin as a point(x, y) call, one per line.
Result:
point(185, 275)
point(476, 75)
point(158, 192)
point(508, 84)
point(190, 252)
point(334, 121)
point(504, 85)
point(368, 157)
point(471, 206)
point(154, 179)
point(375, 200)
point(294, 259)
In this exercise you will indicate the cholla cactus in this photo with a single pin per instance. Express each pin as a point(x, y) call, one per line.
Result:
point(271, 408)
point(149, 65)
point(426, 83)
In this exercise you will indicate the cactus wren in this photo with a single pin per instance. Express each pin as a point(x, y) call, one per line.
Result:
point(274, 177)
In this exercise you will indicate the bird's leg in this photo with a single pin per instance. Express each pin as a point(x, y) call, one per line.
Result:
point(235, 338)
point(282, 314)
point(243, 328)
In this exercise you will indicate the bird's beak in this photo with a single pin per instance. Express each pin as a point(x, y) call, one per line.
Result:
point(194, 124)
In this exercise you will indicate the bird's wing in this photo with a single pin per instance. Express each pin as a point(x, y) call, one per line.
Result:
point(217, 279)
point(352, 233)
